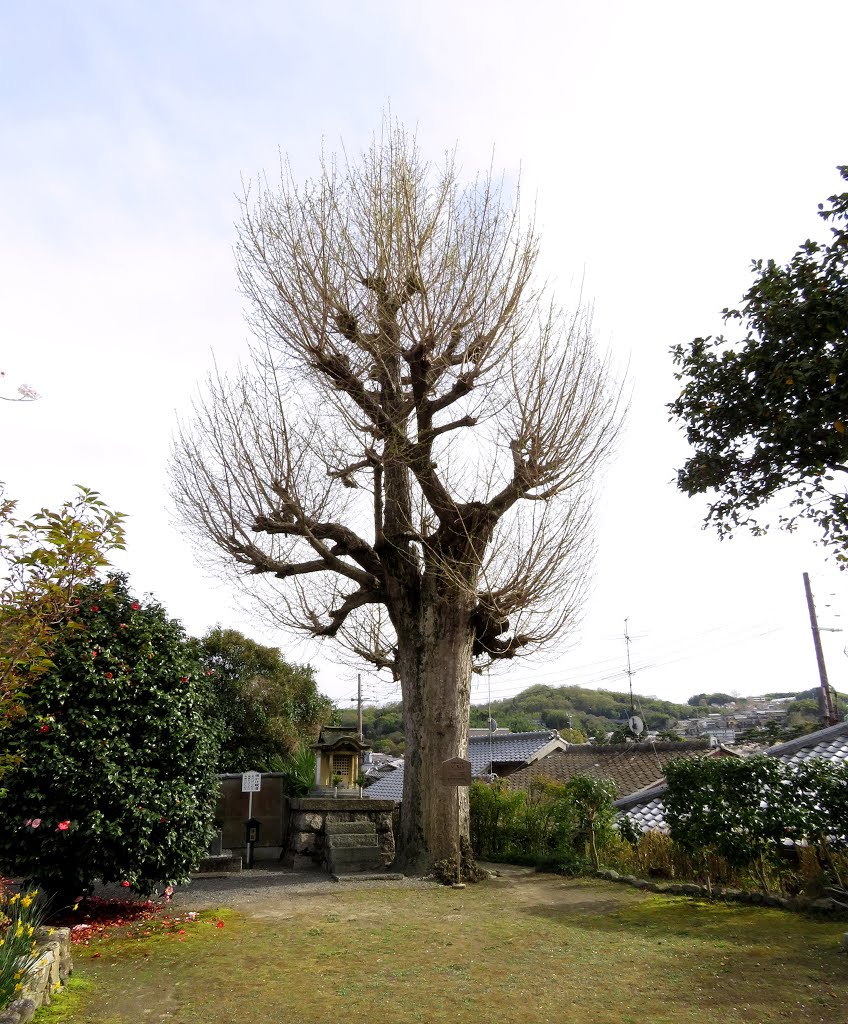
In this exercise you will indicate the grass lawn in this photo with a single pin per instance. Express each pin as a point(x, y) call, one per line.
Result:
point(527, 950)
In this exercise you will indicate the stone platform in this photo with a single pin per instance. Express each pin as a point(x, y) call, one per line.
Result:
point(341, 836)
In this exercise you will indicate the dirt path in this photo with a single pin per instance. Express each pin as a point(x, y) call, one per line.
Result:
point(270, 891)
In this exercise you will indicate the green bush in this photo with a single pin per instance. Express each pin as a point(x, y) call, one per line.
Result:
point(743, 813)
point(118, 775)
point(552, 825)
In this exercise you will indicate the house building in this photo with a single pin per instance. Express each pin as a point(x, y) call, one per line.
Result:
point(631, 766)
point(498, 753)
point(645, 808)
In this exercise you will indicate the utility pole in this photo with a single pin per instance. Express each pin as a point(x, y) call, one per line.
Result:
point(826, 701)
point(627, 643)
point(359, 704)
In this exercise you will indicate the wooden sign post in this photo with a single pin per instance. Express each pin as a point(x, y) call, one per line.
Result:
point(456, 772)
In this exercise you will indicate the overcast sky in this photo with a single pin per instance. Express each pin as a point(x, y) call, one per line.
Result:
point(666, 145)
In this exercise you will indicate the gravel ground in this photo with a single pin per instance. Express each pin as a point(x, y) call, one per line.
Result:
point(267, 882)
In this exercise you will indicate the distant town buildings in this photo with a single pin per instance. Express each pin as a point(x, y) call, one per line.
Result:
point(743, 715)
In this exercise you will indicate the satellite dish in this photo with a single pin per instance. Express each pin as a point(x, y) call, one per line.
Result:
point(492, 725)
point(637, 726)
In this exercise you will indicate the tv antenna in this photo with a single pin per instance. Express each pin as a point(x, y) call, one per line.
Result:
point(634, 722)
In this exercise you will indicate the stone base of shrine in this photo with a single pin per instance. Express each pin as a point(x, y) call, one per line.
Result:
point(311, 844)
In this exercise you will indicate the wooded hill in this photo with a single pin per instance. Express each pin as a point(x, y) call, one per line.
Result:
point(586, 712)
point(579, 714)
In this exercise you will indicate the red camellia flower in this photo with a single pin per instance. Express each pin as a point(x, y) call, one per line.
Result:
point(108, 675)
point(220, 924)
point(184, 679)
point(95, 607)
point(135, 606)
point(94, 654)
point(126, 885)
point(44, 728)
point(63, 826)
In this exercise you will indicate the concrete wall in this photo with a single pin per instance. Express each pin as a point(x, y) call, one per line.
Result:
point(269, 807)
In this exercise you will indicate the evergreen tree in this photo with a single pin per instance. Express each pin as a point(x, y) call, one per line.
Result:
point(118, 774)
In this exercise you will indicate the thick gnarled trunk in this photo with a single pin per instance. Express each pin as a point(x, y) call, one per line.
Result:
point(434, 658)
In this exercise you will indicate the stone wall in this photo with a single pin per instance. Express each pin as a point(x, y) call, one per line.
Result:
point(834, 899)
point(48, 977)
point(306, 843)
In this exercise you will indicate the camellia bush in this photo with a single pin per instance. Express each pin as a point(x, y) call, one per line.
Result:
point(43, 560)
point(118, 775)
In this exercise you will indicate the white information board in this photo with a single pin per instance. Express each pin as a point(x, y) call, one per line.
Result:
point(251, 782)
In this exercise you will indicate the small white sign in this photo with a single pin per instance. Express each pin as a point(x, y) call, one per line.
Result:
point(251, 782)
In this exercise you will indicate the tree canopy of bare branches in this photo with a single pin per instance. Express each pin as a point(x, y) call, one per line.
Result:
point(407, 463)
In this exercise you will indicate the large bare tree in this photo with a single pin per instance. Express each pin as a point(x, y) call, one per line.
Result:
point(407, 463)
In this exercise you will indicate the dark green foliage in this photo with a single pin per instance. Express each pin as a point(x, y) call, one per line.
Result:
point(265, 708)
point(520, 722)
point(381, 726)
point(118, 780)
point(710, 699)
point(558, 720)
point(769, 414)
point(554, 824)
point(743, 810)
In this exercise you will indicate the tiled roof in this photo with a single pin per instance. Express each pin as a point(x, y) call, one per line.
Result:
point(830, 743)
point(649, 815)
point(389, 787)
point(646, 810)
point(508, 748)
point(631, 766)
point(501, 748)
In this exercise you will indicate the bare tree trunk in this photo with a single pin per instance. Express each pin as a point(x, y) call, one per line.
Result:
point(434, 659)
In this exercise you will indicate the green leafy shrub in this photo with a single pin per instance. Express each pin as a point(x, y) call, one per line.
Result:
point(118, 780)
point(740, 816)
point(298, 770)
point(43, 560)
point(552, 825)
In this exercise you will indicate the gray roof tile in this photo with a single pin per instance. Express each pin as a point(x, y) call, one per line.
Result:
point(830, 743)
point(646, 811)
point(631, 766)
point(501, 748)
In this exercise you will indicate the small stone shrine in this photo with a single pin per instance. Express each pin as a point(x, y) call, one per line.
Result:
point(338, 754)
point(334, 827)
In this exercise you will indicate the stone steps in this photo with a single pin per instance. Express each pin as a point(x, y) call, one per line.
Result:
point(352, 846)
point(350, 828)
point(344, 842)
